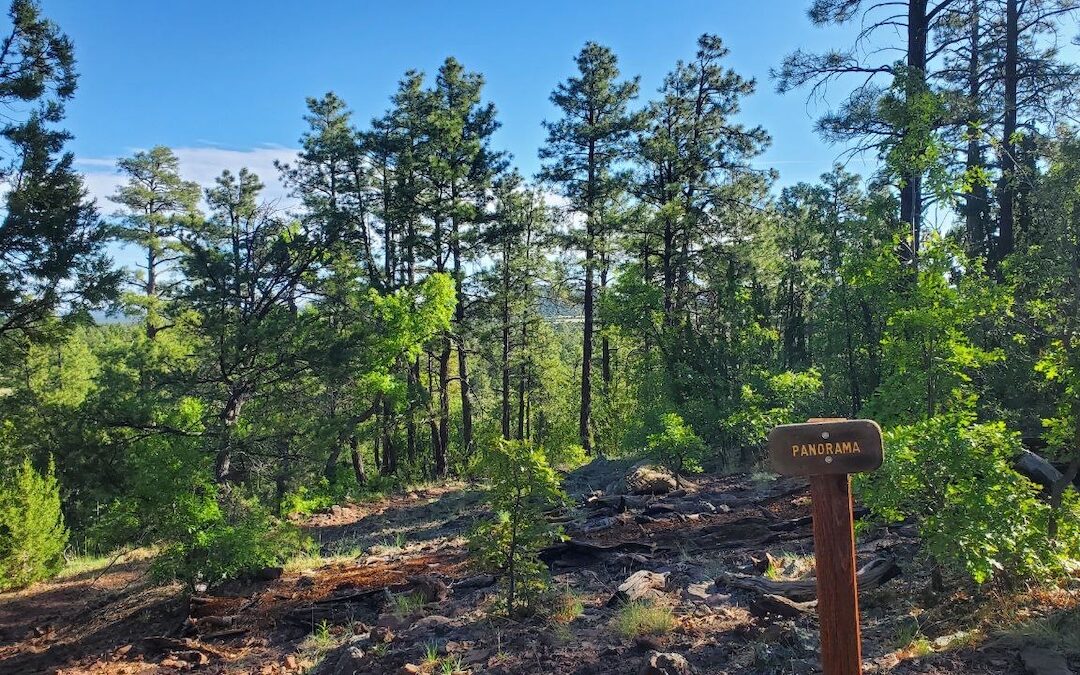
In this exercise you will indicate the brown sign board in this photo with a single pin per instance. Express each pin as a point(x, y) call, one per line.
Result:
point(822, 447)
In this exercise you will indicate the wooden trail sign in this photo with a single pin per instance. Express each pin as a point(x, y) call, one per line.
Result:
point(828, 451)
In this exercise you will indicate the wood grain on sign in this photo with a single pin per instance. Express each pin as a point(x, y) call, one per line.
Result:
point(824, 447)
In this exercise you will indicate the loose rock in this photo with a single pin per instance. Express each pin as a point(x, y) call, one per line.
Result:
point(1041, 661)
point(666, 663)
point(649, 480)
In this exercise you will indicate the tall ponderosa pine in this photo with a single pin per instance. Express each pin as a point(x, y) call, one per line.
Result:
point(899, 119)
point(157, 201)
point(583, 154)
point(693, 149)
point(462, 166)
point(245, 267)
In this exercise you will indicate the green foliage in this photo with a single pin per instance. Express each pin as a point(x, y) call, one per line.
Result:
point(52, 262)
point(929, 347)
point(204, 535)
point(414, 310)
point(32, 532)
point(975, 514)
point(224, 541)
point(676, 446)
point(523, 489)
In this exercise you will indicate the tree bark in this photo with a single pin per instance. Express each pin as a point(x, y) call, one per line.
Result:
point(357, 460)
point(441, 465)
point(586, 356)
point(390, 457)
point(462, 356)
point(523, 377)
point(911, 188)
point(1007, 183)
point(975, 201)
point(228, 418)
point(585, 414)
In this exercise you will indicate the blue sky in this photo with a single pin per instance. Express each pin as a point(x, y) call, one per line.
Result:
point(224, 82)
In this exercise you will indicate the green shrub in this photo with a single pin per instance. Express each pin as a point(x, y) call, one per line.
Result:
point(523, 488)
point(229, 537)
point(566, 456)
point(32, 531)
point(676, 446)
point(975, 514)
point(204, 534)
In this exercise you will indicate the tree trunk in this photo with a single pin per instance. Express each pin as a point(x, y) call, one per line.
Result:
point(390, 458)
point(505, 318)
point(911, 189)
point(151, 286)
point(586, 356)
point(462, 356)
point(330, 468)
point(1007, 182)
point(585, 413)
point(228, 418)
point(523, 415)
point(357, 460)
point(441, 466)
point(975, 201)
point(605, 345)
point(376, 444)
point(668, 267)
point(410, 414)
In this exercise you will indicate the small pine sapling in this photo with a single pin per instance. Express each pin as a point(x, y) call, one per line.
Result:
point(523, 489)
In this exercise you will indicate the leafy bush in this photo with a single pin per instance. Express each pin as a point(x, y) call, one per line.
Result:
point(676, 446)
point(566, 456)
point(523, 488)
point(778, 398)
point(32, 531)
point(975, 514)
point(204, 535)
point(224, 541)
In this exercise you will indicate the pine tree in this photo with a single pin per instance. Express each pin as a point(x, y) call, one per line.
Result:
point(50, 238)
point(462, 166)
point(157, 201)
point(32, 532)
point(583, 153)
point(245, 267)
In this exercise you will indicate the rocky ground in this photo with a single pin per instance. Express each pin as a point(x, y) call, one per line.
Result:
point(726, 559)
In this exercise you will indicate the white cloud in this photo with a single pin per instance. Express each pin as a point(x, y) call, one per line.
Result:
point(200, 164)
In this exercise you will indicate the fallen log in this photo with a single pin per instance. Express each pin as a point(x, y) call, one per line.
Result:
point(314, 615)
point(617, 503)
point(225, 634)
point(873, 574)
point(214, 621)
point(577, 553)
point(778, 605)
point(168, 645)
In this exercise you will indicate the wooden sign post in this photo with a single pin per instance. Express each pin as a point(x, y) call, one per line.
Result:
point(828, 451)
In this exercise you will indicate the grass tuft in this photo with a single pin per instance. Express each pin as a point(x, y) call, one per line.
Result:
point(789, 566)
point(566, 607)
point(644, 618)
point(404, 604)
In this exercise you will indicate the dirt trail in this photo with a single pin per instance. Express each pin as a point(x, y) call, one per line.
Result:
point(348, 614)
